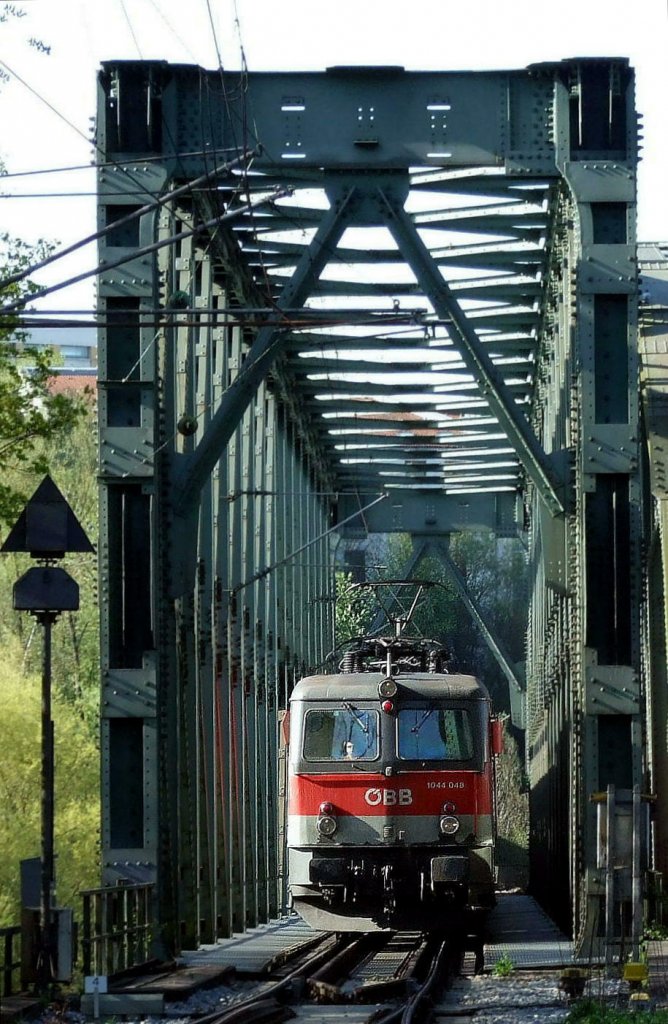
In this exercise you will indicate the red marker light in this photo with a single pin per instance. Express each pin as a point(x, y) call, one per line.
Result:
point(326, 807)
point(387, 706)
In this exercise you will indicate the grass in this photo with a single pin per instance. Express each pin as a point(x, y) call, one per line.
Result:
point(589, 1011)
point(503, 967)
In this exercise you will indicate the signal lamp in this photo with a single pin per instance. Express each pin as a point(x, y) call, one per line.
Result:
point(449, 808)
point(448, 825)
point(326, 825)
point(387, 706)
point(326, 808)
point(387, 687)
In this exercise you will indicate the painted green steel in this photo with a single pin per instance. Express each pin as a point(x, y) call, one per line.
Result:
point(653, 267)
point(584, 715)
point(426, 289)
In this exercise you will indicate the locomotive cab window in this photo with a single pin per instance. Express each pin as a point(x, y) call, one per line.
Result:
point(434, 734)
point(347, 734)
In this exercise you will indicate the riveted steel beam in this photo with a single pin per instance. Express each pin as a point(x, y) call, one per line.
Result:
point(475, 358)
point(264, 351)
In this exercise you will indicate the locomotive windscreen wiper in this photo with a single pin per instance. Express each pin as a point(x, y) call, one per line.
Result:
point(358, 718)
point(418, 725)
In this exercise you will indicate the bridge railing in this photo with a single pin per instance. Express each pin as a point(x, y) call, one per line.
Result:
point(10, 959)
point(117, 928)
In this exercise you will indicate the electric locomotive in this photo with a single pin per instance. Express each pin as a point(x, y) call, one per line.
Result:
point(391, 818)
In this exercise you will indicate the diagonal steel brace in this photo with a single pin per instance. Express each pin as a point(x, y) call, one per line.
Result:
point(267, 346)
point(494, 642)
point(478, 363)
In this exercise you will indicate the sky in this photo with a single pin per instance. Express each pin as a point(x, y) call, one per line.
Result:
point(50, 51)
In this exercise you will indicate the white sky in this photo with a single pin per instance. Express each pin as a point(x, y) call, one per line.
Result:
point(286, 35)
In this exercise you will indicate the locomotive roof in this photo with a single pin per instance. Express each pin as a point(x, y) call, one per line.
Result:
point(364, 686)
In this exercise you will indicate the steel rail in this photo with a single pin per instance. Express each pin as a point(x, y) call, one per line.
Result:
point(410, 1012)
point(316, 979)
point(280, 989)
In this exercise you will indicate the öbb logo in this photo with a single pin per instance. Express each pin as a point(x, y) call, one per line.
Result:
point(388, 797)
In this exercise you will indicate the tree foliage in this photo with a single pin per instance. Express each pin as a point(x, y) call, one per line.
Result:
point(75, 670)
point(32, 415)
point(75, 658)
point(495, 573)
point(76, 788)
point(354, 609)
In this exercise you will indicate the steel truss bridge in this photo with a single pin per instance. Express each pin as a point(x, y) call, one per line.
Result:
point(379, 300)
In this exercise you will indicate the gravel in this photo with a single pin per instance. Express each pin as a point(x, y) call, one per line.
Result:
point(521, 998)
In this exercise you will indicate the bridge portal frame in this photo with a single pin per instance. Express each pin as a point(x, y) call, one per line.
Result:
point(184, 523)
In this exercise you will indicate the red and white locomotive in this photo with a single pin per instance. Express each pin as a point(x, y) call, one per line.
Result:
point(391, 818)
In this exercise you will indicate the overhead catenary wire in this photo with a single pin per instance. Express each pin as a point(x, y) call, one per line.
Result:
point(214, 34)
point(177, 35)
point(155, 204)
point(314, 540)
point(128, 257)
point(103, 164)
point(415, 318)
point(296, 320)
point(131, 28)
point(66, 120)
point(46, 102)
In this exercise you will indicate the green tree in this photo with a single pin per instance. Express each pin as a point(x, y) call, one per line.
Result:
point(354, 609)
point(31, 413)
point(495, 573)
point(72, 460)
point(76, 788)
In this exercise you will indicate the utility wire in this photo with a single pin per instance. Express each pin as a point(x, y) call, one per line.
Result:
point(100, 165)
point(236, 317)
point(69, 195)
point(130, 26)
point(293, 554)
point(215, 37)
point(171, 29)
point(83, 135)
point(43, 100)
point(128, 257)
point(148, 208)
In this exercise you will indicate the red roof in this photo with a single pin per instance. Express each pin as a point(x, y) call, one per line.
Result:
point(67, 383)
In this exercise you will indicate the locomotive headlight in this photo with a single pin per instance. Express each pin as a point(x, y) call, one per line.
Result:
point(448, 825)
point(326, 825)
point(387, 687)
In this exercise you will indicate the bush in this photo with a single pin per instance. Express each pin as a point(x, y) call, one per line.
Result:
point(76, 787)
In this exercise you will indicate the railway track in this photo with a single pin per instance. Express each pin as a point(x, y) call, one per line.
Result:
point(397, 972)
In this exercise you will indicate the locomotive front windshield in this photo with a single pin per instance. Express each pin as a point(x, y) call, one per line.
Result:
point(341, 735)
point(434, 734)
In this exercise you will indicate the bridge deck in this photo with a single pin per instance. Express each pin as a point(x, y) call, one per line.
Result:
point(521, 930)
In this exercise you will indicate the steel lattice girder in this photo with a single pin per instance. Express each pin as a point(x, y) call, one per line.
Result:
point(436, 271)
point(653, 266)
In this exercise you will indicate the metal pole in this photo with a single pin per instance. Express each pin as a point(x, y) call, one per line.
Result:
point(636, 883)
point(45, 964)
point(610, 875)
